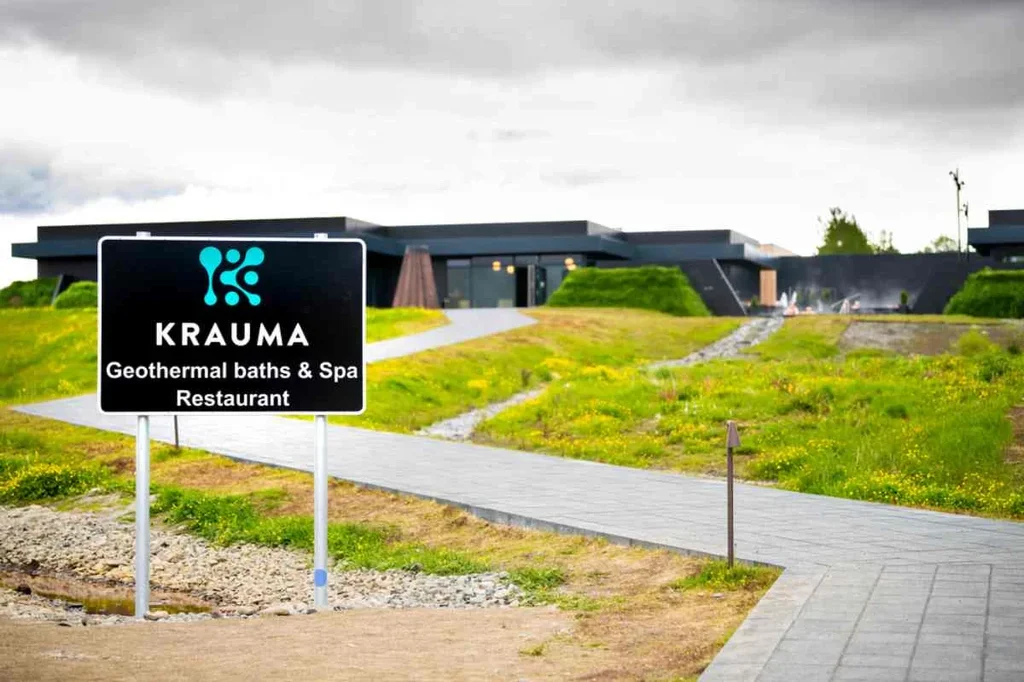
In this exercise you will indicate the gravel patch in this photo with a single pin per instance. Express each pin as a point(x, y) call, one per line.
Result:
point(732, 346)
point(240, 579)
point(461, 427)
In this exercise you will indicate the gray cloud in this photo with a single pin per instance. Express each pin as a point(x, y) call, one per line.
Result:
point(857, 56)
point(34, 181)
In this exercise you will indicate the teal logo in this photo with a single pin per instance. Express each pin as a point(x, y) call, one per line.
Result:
point(211, 259)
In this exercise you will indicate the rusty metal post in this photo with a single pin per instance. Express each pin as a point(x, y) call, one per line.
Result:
point(176, 446)
point(732, 440)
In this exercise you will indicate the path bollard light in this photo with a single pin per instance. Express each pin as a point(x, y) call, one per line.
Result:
point(732, 440)
point(230, 326)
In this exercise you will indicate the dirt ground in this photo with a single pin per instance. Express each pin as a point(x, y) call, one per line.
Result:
point(426, 644)
point(922, 339)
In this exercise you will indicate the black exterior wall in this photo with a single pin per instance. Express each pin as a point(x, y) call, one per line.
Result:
point(79, 268)
point(879, 279)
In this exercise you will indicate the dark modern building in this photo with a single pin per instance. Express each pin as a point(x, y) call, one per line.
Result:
point(520, 264)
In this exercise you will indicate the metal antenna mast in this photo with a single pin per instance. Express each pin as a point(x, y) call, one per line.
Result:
point(955, 174)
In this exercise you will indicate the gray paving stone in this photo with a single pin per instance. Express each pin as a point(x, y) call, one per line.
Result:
point(786, 671)
point(1000, 676)
point(958, 606)
point(875, 644)
point(944, 675)
point(947, 656)
point(845, 673)
point(1005, 662)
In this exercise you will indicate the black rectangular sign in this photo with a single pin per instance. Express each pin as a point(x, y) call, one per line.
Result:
point(192, 325)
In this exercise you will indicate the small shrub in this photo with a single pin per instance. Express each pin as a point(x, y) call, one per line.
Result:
point(78, 295)
point(46, 481)
point(771, 467)
point(816, 401)
point(717, 576)
point(897, 411)
point(974, 343)
point(992, 366)
point(530, 579)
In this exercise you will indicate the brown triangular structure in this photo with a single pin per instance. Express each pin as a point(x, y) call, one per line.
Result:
point(416, 287)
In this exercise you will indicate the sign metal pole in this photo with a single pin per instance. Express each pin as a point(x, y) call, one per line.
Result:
point(320, 504)
point(142, 510)
point(732, 441)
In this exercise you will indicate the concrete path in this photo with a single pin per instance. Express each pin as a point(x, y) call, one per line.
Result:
point(464, 325)
point(872, 592)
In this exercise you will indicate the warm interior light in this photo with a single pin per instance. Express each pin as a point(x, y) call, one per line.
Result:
point(569, 262)
point(496, 266)
point(570, 266)
point(510, 269)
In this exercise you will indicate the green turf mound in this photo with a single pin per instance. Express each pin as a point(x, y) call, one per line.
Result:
point(29, 294)
point(652, 288)
point(990, 293)
point(78, 295)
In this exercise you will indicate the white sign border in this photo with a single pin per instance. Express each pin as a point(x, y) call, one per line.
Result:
point(202, 413)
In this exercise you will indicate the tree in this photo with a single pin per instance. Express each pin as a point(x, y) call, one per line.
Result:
point(884, 243)
point(843, 235)
point(942, 244)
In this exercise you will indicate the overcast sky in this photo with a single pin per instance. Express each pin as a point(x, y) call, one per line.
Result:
point(756, 115)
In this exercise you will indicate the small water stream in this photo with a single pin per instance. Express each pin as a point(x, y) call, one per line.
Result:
point(94, 597)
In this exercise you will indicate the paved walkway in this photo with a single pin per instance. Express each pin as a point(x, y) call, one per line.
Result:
point(464, 325)
point(871, 592)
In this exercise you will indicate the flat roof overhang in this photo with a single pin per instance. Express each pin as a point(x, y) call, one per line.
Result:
point(745, 253)
point(597, 246)
point(86, 248)
point(1005, 237)
point(466, 247)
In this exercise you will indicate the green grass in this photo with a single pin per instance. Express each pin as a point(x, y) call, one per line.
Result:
point(49, 353)
point(990, 293)
point(921, 431)
point(78, 295)
point(716, 576)
point(386, 323)
point(229, 519)
point(28, 294)
point(809, 337)
point(650, 288)
point(46, 354)
point(409, 393)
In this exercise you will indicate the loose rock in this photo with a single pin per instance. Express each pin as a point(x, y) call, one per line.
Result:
point(246, 579)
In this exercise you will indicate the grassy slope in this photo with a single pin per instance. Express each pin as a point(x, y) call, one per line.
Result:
point(28, 294)
point(52, 353)
point(46, 354)
point(386, 323)
point(406, 394)
point(990, 293)
point(651, 288)
point(929, 431)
